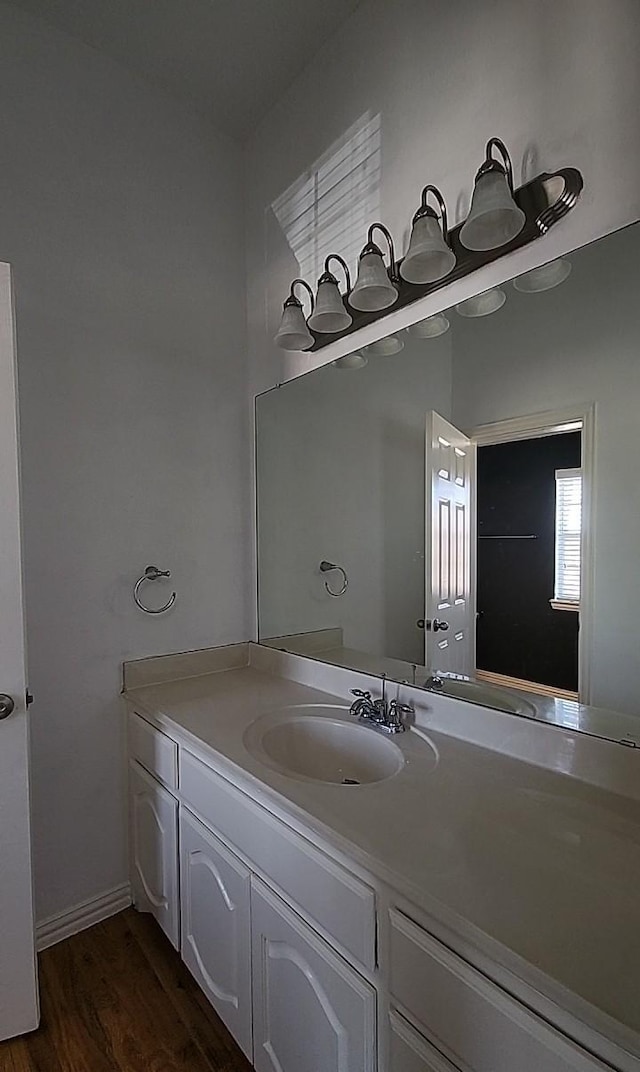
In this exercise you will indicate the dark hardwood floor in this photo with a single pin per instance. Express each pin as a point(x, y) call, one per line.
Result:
point(117, 998)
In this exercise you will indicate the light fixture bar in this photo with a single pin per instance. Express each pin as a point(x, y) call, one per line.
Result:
point(544, 200)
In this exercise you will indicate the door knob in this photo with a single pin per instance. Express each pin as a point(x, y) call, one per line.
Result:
point(6, 705)
point(437, 624)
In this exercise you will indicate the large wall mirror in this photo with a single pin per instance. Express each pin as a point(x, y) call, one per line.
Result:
point(458, 505)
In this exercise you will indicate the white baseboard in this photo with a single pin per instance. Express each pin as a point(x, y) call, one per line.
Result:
point(81, 916)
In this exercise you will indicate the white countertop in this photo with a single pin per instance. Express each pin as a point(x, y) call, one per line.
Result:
point(540, 870)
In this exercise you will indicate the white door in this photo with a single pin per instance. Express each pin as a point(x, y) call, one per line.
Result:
point(19, 1010)
point(215, 897)
point(449, 597)
point(153, 846)
point(311, 1011)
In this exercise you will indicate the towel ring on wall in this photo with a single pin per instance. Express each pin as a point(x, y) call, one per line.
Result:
point(324, 568)
point(152, 573)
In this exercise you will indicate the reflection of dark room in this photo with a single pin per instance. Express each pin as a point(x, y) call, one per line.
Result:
point(519, 634)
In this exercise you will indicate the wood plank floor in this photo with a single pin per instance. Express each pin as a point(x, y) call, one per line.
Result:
point(117, 998)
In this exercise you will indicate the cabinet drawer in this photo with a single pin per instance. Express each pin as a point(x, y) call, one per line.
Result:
point(470, 1018)
point(339, 903)
point(410, 1052)
point(156, 752)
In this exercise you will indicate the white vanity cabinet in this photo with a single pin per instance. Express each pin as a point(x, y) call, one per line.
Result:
point(313, 966)
point(410, 1052)
point(215, 892)
point(312, 1011)
point(468, 1017)
point(153, 850)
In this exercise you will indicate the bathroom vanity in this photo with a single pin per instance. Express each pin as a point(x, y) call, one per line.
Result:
point(462, 895)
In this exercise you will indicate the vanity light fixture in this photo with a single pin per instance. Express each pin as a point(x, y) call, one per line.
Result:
point(431, 328)
point(387, 347)
point(375, 288)
point(293, 333)
point(545, 277)
point(428, 257)
point(501, 220)
point(494, 218)
point(330, 314)
point(489, 301)
point(356, 360)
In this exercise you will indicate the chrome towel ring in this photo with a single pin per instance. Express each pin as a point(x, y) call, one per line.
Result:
point(325, 567)
point(152, 573)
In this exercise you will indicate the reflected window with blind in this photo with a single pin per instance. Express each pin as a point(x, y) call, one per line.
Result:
point(568, 542)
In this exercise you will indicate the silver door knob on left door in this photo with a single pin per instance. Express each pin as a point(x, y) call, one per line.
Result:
point(6, 705)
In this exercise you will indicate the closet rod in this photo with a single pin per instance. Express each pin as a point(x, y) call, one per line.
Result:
point(506, 537)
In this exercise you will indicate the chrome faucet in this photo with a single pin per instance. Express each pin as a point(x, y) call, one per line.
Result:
point(382, 716)
point(435, 683)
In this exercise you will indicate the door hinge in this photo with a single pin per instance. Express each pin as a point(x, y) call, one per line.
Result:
point(28, 698)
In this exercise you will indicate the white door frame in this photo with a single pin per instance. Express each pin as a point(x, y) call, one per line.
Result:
point(581, 417)
point(19, 1011)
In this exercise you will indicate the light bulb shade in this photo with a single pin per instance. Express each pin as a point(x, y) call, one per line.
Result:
point(329, 314)
point(293, 333)
point(351, 362)
point(430, 328)
point(428, 257)
point(489, 301)
point(544, 278)
point(393, 344)
point(373, 290)
point(494, 218)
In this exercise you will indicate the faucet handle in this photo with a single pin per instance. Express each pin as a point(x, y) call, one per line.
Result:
point(359, 692)
point(401, 708)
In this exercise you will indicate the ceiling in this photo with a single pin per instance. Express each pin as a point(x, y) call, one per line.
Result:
point(231, 59)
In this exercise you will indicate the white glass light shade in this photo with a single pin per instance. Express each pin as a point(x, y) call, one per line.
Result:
point(544, 278)
point(293, 333)
point(393, 344)
point(430, 328)
point(428, 257)
point(353, 361)
point(482, 304)
point(494, 218)
point(329, 314)
point(373, 290)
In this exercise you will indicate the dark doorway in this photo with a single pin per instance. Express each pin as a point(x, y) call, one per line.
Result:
point(519, 634)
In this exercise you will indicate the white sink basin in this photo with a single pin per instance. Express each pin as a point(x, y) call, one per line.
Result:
point(313, 744)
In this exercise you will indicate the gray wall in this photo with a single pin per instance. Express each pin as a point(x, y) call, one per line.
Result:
point(121, 217)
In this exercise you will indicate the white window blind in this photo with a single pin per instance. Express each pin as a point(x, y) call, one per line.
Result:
point(329, 208)
point(568, 535)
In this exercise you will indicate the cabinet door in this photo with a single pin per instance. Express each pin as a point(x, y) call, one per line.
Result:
point(154, 850)
point(410, 1052)
point(311, 1010)
point(216, 924)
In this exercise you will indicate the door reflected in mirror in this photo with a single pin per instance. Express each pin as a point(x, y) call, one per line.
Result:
point(474, 491)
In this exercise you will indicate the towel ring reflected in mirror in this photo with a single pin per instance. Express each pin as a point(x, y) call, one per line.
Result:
point(152, 573)
point(325, 567)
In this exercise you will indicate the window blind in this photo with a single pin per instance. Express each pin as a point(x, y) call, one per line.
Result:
point(568, 535)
